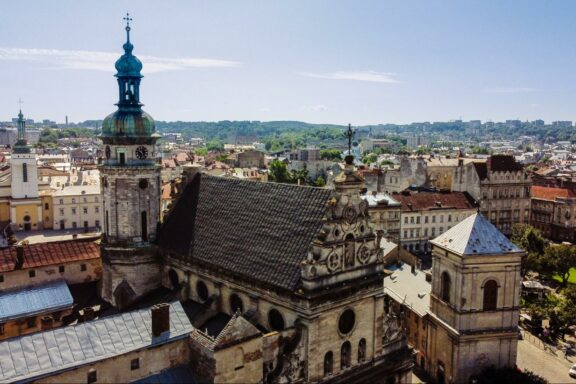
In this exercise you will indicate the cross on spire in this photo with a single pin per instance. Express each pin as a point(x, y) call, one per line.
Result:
point(128, 20)
point(20, 102)
point(349, 134)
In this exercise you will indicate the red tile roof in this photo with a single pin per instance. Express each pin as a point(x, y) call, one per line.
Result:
point(44, 254)
point(549, 193)
point(427, 201)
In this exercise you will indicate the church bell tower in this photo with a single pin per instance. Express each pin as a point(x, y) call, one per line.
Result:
point(130, 186)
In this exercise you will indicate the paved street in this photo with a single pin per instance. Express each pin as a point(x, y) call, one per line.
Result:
point(544, 363)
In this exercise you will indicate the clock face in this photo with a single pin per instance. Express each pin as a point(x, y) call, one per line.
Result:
point(141, 153)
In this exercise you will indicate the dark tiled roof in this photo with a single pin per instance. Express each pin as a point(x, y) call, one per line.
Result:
point(425, 201)
point(260, 231)
point(481, 170)
point(43, 254)
point(503, 163)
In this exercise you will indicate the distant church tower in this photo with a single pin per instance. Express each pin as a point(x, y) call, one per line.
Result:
point(25, 205)
point(131, 189)
point(475, 301)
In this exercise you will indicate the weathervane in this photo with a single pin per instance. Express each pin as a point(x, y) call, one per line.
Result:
point(349, 134)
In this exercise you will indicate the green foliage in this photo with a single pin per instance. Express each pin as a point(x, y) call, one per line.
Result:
point(299, 176)
point(330, 154)
point(531, 240)
point(201, 151)
point(215, 145)
point(320, 182)
point(279, 171)
point(560, 259)
point(370, 158)
point(493, 375)
point(480, 151)
point(50, 135)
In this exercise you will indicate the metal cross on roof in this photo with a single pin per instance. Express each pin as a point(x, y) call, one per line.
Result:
point(350, 134)
point(20, 102)
point(128, 20)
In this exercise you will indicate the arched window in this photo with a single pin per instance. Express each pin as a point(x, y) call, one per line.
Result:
point(236, 303)
point(490, 295)
point(349, 248)
point(328, 363)
point(275, 320)
point(25, 172)
point(445, 287)
point(202, 290)
point(361, 350)
point(345, 353)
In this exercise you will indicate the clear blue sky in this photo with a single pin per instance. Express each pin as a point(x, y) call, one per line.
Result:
point(328, 61)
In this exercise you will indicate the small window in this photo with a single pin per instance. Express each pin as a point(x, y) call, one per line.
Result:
point(31, 273)
point(61, 269)
point(445, 287)
point(25, 172)
point(61, 201)
point(85, 210)
point(328, 363)
point(490, 295)
point(31, 322)
point(73, 201)
point(345, 355)
point(46, 206)
point(275, 320)
point(134, 364)
point(97, 209)
point(92, 377)
point(74, 225)
point(1, 278)
point(1, 328)
point(62, 211)
point(202, 290)
point(83, 267)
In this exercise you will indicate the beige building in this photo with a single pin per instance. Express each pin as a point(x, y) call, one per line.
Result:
point(426, 215)
point(464, 316)
point(501, 185)
point(385, 214)
point(553, 212)
point(77, 207)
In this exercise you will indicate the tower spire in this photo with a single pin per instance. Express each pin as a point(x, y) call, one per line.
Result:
point(21, 145)
point(128, 20)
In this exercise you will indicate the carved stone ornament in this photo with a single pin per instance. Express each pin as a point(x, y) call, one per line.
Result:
point(363, 255)
point(349, 214)
point(333, 261)
point(363, 206)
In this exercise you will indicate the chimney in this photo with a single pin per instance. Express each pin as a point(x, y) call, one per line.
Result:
point(19, 257)
point(46, 323)
point(160, 319)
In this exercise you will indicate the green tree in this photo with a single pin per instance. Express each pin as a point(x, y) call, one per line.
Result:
point(299, 176)
point(560, 259)
point(201, 151)
point(567, 310)
point(215, 145)
point(531, 240)
point(279, 171)
point(320, 181)
point(370, 158)
point(330, 154)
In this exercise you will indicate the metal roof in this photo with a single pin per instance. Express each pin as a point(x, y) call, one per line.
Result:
point(379, 198)
point(409, 288)
point(45, 353)
point(34, 300)
point(475, 235)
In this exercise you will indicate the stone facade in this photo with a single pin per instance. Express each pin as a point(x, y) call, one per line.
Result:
point(553, 212)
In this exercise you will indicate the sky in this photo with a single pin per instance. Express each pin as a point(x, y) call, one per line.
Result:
point(319, 61)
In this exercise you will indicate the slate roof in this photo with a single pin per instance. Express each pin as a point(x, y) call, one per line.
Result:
point(43, 254)
point(35, 300)
point(260, 231)
point(475, 235)
point(503, 163)
point(28, 357)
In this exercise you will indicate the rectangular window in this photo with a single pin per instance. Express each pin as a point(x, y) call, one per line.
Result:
point(85, 200)
point(73, 211)
point(441, 230)
point(61, 269)
point(418, 220)
point(97, 209)
point(441, 218)
point(74, 225)
point(73, 201)
point(449, 218)
point(406, 220)
point(433, 219)
point(61, 201)
point(97, 224)
point(31, 322)
point(92, 377)
point(1, 328)
point(426, 232)
point(85, 210)
point(412, 220)
point(25, 172)
point(122, 158)
point(405, 233)
point(134, 364)
point(62, 211)
point(31, 273)
point(83, 267)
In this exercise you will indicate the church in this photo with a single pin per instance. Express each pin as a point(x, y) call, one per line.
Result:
point(297, 270)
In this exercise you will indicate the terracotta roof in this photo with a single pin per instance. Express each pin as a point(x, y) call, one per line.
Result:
point(43, 254)
point(503, 163)
point(258, 231)
point(428, 201)
point(549, 193)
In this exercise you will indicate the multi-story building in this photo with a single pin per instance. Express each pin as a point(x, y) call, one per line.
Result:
point(426, 215)
point(553, 212)
point(77, 206)
point(502, 187)
point(385, 213)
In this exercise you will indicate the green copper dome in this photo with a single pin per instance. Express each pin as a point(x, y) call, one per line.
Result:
point(129, 124)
